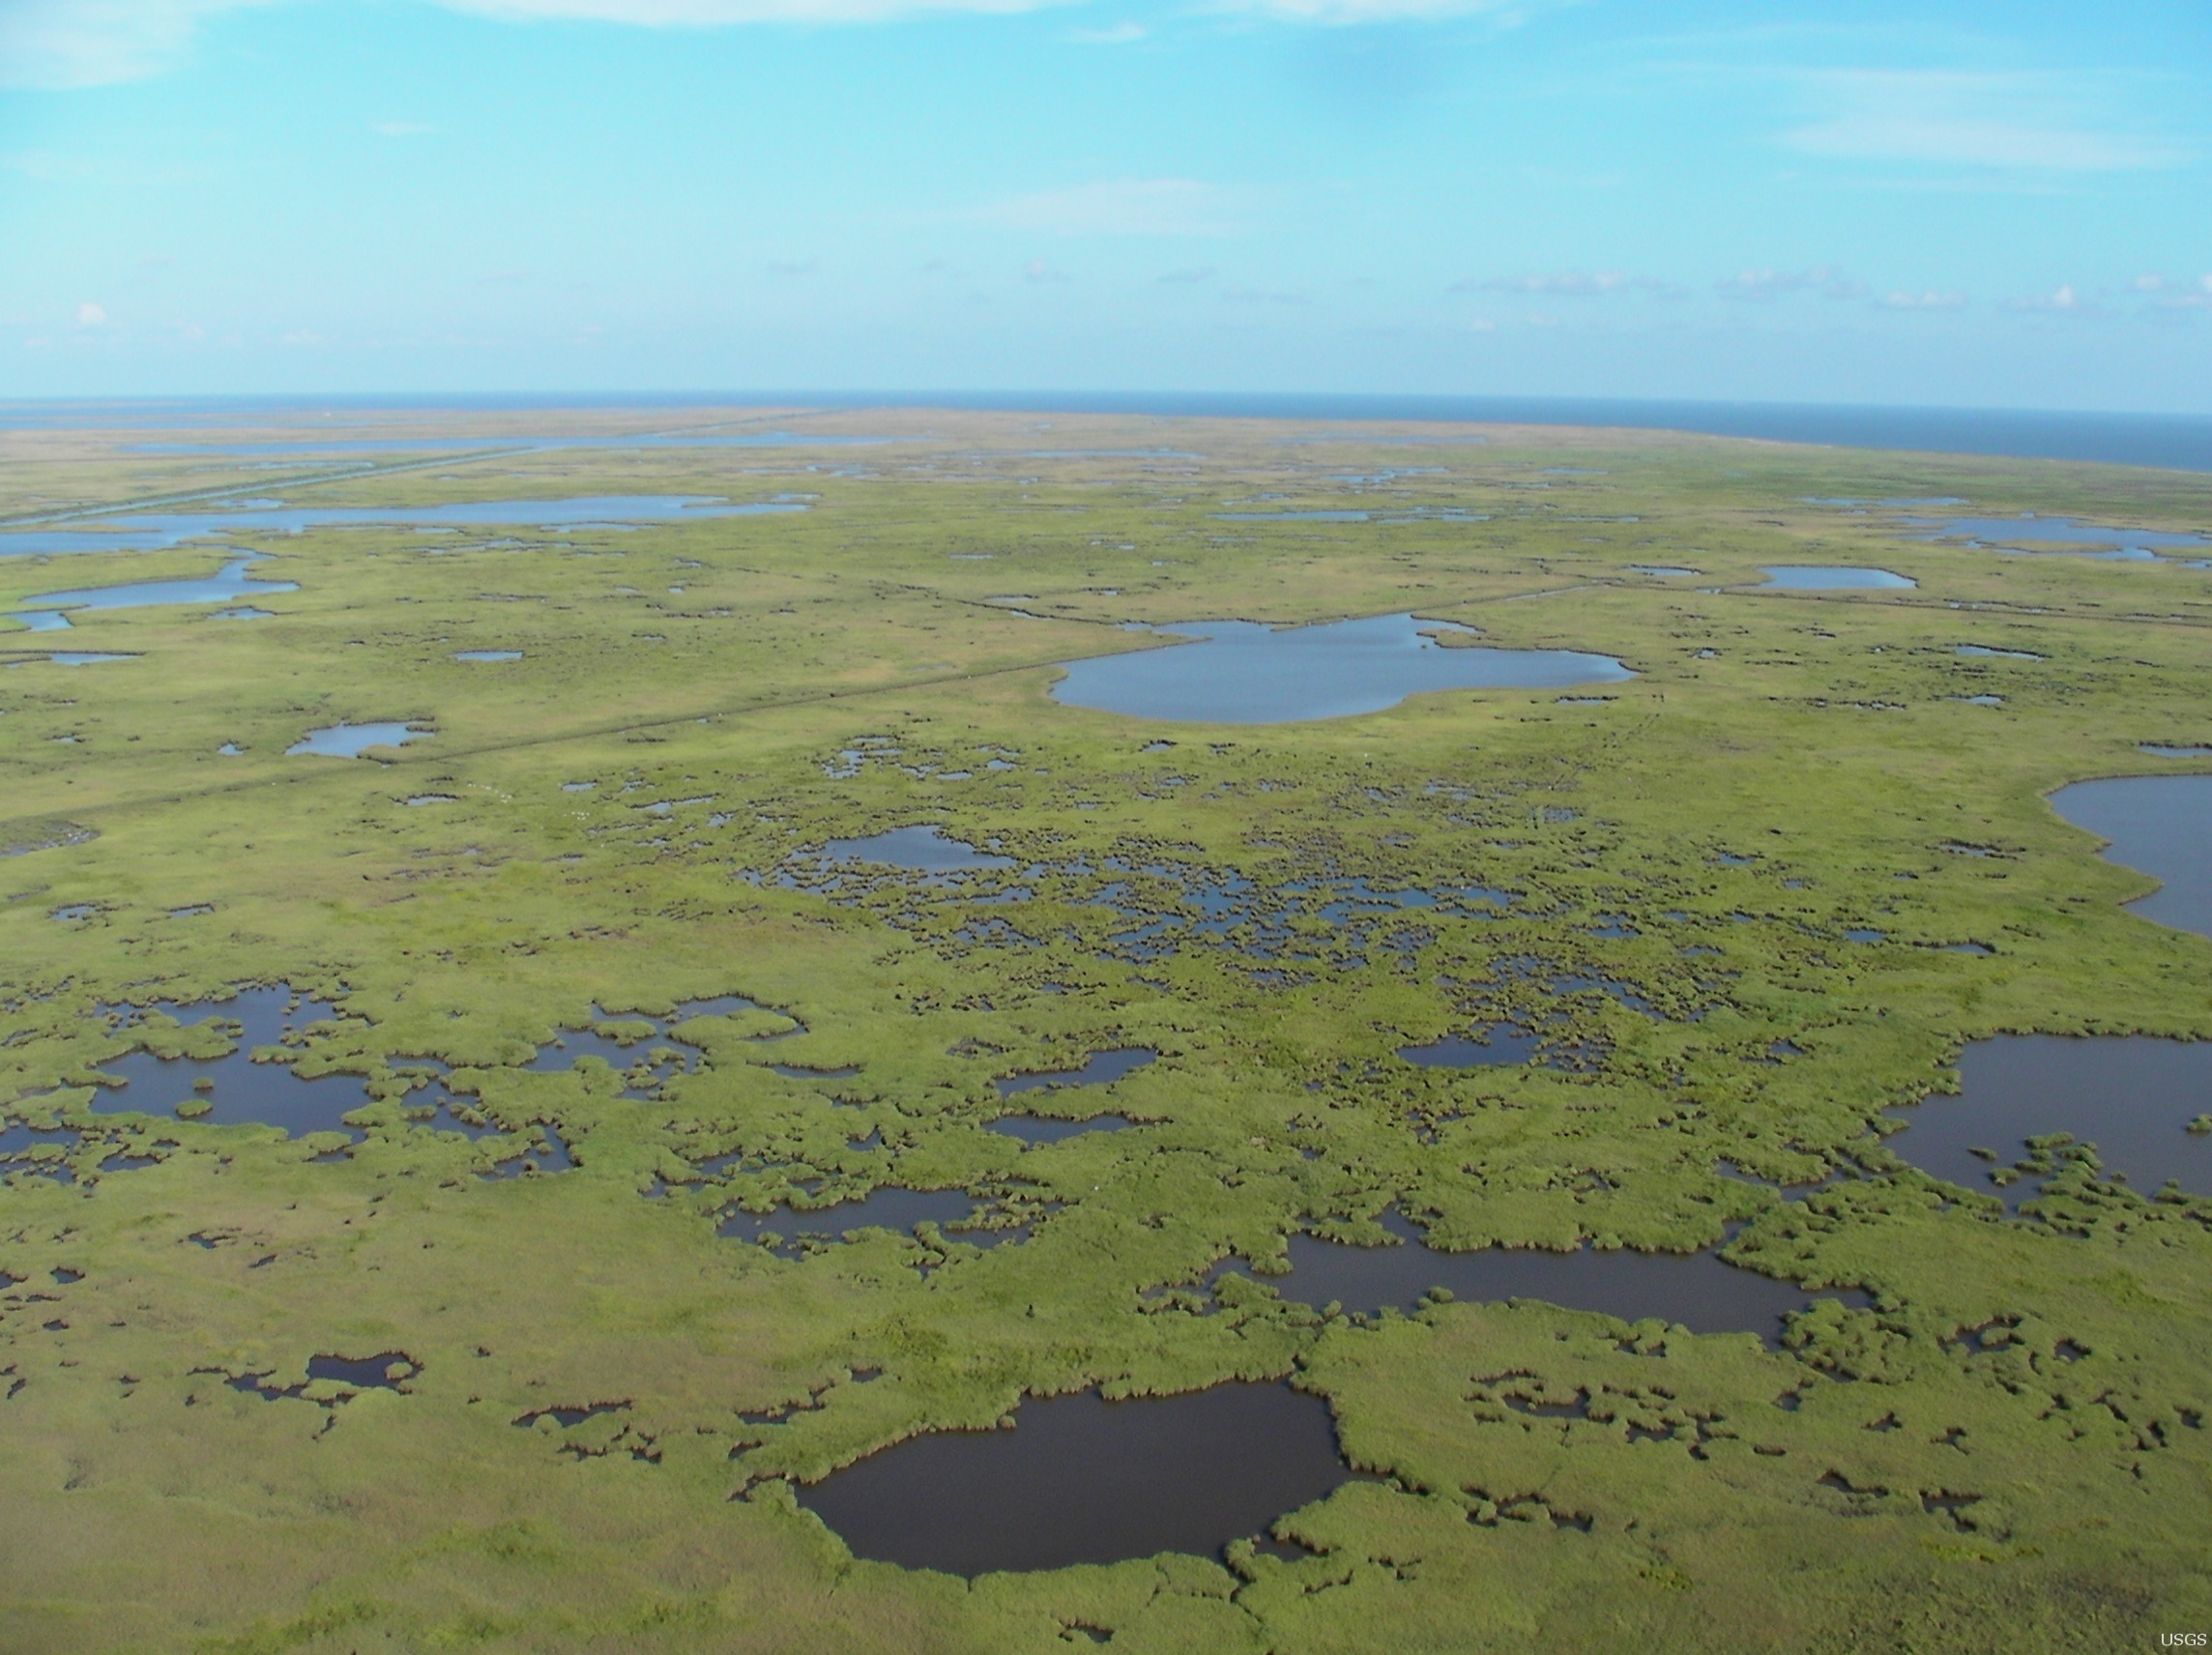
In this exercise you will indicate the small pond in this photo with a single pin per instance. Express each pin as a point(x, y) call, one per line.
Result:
point(1500, 1044)
point(1241, 672)
point(1104, 1069)
point(1079, 1479)
point(2131, 1096)
point(1696, 1290)
point(244, 1092)
point(925, 848)
point(1832, 577)
point(351, 741)
point(2161, 826)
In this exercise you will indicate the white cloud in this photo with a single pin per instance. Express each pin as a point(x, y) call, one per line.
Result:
point(2007, 121)
point(712, 13)
point(1756, 284)
point(1929, 299)
point(1564, 283)
point(401, 129)
point(64, 45)
point(1122, 207)
point(1121, 34)
point(91, 315)
point(1189, 277)
point(1036, 270)
point(2060, 302)
point(1509, 13)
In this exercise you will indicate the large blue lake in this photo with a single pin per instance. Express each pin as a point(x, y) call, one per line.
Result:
point(1241, 672)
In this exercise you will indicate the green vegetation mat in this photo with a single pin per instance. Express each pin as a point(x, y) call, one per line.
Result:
point(2003, 1449)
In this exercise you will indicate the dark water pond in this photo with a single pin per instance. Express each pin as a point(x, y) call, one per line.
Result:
point(925, 848)
point(1244, 673)
point(2161, 826)
point(1501, 1043)
point(231, 583)
point(1102, 1069)
point(1082, 1480)
point(1044, 1129)
point(1696, 1290)
point(1832, 577)
point(152, 530)
point(2131, 1096)
point(244, 1092)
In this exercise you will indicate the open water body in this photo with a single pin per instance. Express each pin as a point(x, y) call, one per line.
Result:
point(1698, 1291)
point(924, 849)
point(232, 583)
point(954, 1211)
point(2059, 534)
point(1241, 671)
point(2160, 826)
point(2182, 441)
point(1102, 1068)
point(1079, 1479)
point(155, 531)
point(2131, 1096)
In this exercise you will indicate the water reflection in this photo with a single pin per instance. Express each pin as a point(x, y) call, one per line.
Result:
point(2133, 1096)
point(1244, 673)
point(1082, 1480)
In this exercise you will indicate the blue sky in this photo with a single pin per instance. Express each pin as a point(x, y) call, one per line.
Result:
point(1971, 204)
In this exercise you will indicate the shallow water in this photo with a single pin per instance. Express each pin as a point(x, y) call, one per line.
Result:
point(153, 531)
point(84, 659)
point(487, 654)
point(2160, 826)
point(1832, 577)
point(1244, 673)
point(1696, 1290)
point(351, 741)
point(2056, 531)
point(1082, 1480)
point(1101, 1069)
point(2131, 1096)
point(925, 848)
point(1662, 569)
point(243, 1091)
point(230, 582)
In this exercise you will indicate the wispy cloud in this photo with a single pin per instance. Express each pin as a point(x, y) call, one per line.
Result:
point(1188, 278)
point(1120, 34)
point(1121, 207)
point(401, 129)
point(1037, 269)
point(1506, 12)
point(2024, 122)
point(1929, 299)
point(1764, 284)
point(2060, 302)
point(1562, 283)
point(66, 45)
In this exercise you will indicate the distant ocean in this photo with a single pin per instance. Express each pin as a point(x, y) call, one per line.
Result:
point(2175, 441)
